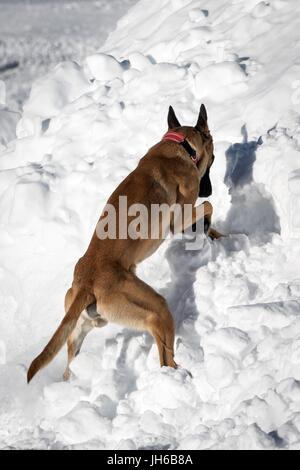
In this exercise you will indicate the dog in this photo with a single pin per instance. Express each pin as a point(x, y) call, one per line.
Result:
point(105, 287)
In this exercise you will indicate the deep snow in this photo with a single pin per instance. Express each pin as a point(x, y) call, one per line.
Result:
point(235, 301)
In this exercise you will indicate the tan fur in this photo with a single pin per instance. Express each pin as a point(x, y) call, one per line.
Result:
point(106, 272)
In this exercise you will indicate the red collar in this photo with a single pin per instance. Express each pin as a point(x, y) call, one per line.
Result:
point(180, 139)
point(174, 136)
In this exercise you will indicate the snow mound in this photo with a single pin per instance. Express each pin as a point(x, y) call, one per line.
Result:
point(235, 302)
point(51, 93)
point(220, 82)
point(104, 67)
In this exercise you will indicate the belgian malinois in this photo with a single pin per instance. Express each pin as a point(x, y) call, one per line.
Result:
point(105, 287)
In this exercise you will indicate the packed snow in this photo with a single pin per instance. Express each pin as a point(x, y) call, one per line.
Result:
point(236, 301)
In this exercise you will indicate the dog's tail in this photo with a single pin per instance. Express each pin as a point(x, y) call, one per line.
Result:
point(80, 302)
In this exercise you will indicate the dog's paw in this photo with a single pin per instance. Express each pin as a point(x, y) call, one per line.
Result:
point(67, 375)
point(215, 235)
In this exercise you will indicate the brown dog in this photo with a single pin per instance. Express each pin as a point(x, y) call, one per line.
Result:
point(105, 287)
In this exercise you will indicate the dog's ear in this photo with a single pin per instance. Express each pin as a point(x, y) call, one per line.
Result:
point(202, 119)
point(205, 189)
point(172, 119)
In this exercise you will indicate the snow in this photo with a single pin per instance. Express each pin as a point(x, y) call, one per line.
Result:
point(2, 93)
point(229, 74)
point(62, 86)
point(38, 34)
point(235, 301)
point(104, 67)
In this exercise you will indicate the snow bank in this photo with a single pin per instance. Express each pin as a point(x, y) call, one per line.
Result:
point(235, 302)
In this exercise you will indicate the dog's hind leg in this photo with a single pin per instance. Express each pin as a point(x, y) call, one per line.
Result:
point(77, 300)
point(86, 322)
point(133, 303)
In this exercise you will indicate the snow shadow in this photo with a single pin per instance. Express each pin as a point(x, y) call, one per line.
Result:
point(184, 265)
point(240, 158)
point(253, 210)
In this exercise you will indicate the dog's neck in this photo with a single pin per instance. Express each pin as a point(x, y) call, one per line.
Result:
point(179, 138)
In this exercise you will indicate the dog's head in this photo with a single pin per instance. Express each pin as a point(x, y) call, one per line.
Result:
point(201, 141)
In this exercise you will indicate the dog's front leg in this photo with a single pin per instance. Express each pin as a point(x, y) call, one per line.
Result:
point(211, 232)
point(189, 218)
point(204, 213)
